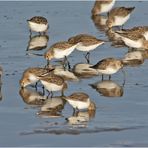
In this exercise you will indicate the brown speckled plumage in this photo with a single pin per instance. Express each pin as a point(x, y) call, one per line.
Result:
point(109, 62)
point(79, 96)
point(85, 39)
point(63, 45)
point(39, 20)
point(51, 78)
point(120, 11)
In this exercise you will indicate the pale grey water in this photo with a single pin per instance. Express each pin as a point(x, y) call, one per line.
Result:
point(120, 121)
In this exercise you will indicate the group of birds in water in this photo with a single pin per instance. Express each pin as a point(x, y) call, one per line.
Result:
point(54, 78)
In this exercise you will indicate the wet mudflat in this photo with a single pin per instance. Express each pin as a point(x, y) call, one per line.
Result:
point(120, 118)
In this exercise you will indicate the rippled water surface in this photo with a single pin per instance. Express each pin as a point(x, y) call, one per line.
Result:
point(118, 121)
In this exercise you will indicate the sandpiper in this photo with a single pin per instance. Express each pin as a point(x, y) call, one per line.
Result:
point(86, 43)
point(60, 50)
point(80, 101)
point(38, 24)
point(38, 42)
point(32, 75)
point(119, 16)
point(140, 30)
point(108, 66)
point(53, 82)
point(102, 6)
point(134, 40)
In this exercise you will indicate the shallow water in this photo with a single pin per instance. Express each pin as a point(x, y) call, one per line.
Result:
point(118, 121)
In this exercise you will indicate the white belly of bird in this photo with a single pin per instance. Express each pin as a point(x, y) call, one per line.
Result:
point(51, 86)
point(119, 21)
point(82, 47)
point(107, 7)
point(132, 43)
point(58, 53)
point(33, 78)
point(146, 35)
point(108, 71)
point(79, 104)
point(38, 27)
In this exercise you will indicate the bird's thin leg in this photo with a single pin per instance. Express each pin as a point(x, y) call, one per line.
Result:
point(124, 77)
point(67, 63)
point(48, 62)
point(102, 77)
point(36, 84)
point(51, 94)
point(43, 90)
point(30, 33)
point(109, 77)
point(87, 57)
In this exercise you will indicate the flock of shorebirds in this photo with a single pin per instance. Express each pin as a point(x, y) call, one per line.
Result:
point(55, 78)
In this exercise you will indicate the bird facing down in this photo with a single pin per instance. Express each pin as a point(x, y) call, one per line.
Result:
point(86, 43)
point(38, 24)
point(134, 40)
point(140, 30)
point(80, 101)
point(32, 75)
point(53, 82)
point(119, 16)
point(108, 66)
point(60, 50)
point(102, 6)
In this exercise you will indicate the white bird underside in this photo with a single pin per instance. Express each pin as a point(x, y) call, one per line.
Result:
point(38, 27)
point(79, 104)
point(58, 53)
point(132, 43)
point(119, 21)
point(51, 86)
point(107, 7)
point(107, 71)
point(82, 47)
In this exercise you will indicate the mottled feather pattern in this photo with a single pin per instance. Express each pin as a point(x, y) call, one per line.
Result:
point(85, 39)
point(53, 79)
point(61, 45)
point(78, 97)
point(120, 11)
point(103, 64)
point(39, 20)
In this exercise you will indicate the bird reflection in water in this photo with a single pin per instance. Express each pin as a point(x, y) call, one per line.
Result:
point(38, 42)
point(81, 119)
point(52, 108)
point(100, 22)
point(108, 88)
point(83, 70)
point(32, 97)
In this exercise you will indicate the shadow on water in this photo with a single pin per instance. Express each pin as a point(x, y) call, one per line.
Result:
point(77, 131)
